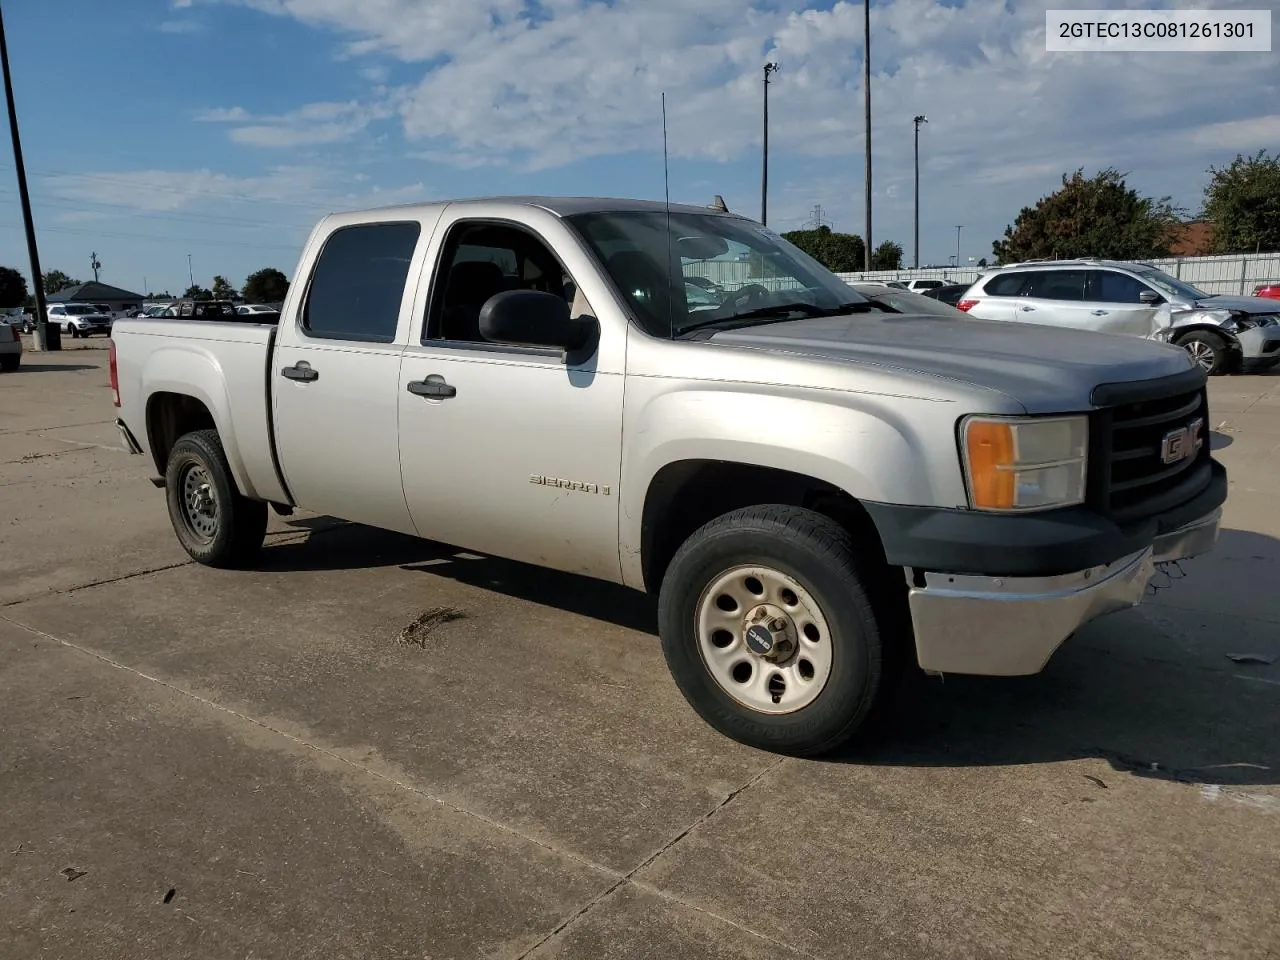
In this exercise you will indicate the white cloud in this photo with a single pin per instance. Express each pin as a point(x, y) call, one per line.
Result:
point(538, 84)
point(312, 123)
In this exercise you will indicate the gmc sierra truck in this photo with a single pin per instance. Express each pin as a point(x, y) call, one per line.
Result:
point(818, 490)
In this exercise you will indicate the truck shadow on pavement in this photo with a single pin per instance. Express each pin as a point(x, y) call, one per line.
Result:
point(1151, 691)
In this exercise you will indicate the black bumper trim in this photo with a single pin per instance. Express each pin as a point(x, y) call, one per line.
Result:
point(1029, 544)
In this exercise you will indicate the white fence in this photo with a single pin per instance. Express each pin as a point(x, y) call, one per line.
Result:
point(1237, 274)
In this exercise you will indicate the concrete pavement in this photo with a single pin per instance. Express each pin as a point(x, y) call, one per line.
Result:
point(379, 747)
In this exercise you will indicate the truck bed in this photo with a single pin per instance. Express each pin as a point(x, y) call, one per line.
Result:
point(223, 365)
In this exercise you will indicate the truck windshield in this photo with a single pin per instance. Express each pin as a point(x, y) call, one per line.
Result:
point(754, 274)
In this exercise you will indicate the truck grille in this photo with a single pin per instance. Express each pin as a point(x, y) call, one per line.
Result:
point(1138, 471)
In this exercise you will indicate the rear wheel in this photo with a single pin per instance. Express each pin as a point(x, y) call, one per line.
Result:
point(1207, 349)
point(770, 632)
point(10, 361)
point(215, 524)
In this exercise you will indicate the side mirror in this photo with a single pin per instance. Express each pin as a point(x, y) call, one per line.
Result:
point(1149, 297)
point(532, 318)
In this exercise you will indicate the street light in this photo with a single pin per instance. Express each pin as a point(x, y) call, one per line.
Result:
point(866, 101)
point(958, 226)
point(917, 121)
point(190, 275)
point(769, 70)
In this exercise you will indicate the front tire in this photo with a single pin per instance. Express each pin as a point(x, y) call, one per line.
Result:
point(769, 631)
point(215, 524)
point(1207, 349)
point(9, 362)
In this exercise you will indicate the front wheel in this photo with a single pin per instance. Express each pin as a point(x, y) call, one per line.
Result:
point(769, 631)
point(215, 523)
point(1207, 349)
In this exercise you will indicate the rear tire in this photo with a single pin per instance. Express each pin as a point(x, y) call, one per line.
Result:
point(214, 522)
point(1207, 349)
point(810, 680)
point(9, 362)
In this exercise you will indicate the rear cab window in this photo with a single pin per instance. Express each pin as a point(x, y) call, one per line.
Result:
point(358, 282)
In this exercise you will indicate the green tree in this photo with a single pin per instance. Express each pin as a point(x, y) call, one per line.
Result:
point(197, 293)
point(13, 287)
point(1090, 217)
point(1243, 202)
point(838, 252)
point(887, 256)
point(267, 285)
point(55, 280)
point(221, 289)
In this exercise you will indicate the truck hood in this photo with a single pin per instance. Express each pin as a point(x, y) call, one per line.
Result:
point(1047, 370)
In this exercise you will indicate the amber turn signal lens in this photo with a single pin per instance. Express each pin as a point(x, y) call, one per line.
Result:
point(991, 459)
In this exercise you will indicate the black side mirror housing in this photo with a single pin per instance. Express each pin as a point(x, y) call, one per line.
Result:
point(532, 318)
point(1149, 297)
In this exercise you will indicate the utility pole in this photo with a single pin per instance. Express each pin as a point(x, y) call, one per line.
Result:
point(95, 264)
point(769, 70)
point(958, 226)
point(42, 338)
point(190, 276)
point(918, 120)
point(866, 96)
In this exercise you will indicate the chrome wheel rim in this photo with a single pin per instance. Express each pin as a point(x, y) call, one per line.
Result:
point(199, 502)
point(764, 639)
point(1201, 353)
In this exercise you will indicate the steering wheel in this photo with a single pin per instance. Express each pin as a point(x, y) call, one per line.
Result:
point(750, 295)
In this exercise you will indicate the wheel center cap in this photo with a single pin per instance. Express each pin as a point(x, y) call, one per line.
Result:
point(760, 640)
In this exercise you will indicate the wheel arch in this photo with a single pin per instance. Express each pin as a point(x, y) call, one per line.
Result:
point(686, 494)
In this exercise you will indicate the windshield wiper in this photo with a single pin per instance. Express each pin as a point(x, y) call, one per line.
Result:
point(779, 312)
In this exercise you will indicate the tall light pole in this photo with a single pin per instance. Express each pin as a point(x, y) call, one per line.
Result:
point(190, 275)
point(42, 339)
point(769, 70)
point(917, 121)
point(866, 99)
point(958, 227)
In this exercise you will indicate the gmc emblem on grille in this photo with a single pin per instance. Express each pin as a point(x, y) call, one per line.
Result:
point(1184, 442)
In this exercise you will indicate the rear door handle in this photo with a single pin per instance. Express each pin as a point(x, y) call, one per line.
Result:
point(1026, 309)
point(1101, 313)
point(433, 387)
point(300, 371)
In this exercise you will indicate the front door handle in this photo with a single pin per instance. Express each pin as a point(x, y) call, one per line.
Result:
point(433, 387)
point(1101, 313)
point(1026, 309)
point(300, 371)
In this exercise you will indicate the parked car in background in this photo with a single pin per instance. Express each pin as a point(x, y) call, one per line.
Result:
point(713, 288)
point(949, 294)
point(250, 308)
point(78, 320)
point(920, 286)
point(1270, 291)
point(1221, 333)
point(200, 309)
point(904, 301)
point(819, 493)
point(891, 284)
point(10, 344)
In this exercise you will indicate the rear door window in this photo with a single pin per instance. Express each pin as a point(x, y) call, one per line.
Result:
point(358, 282)
point(1065, 285)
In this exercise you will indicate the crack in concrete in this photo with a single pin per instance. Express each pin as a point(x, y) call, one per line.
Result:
point(619, 880)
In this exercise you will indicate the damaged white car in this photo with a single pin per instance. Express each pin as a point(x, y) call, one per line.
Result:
point(1224, 334)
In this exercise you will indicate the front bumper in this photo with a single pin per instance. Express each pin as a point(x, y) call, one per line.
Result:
point(1260, 343)
point(1011, 626)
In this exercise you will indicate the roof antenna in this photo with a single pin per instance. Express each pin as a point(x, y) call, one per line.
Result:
point(666, 188)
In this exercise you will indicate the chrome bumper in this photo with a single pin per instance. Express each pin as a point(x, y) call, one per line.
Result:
point(1011, 626)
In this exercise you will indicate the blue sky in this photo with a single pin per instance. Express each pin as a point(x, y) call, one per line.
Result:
point(224, 128)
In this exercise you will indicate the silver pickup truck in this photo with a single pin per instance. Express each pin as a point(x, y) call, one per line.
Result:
point(818, 490)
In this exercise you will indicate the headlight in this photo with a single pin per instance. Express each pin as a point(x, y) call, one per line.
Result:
point(1025, 464)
